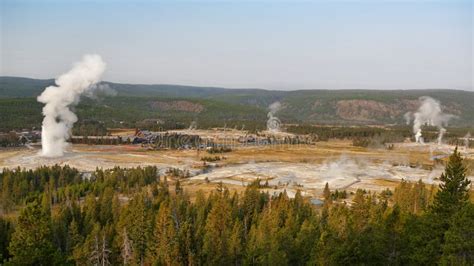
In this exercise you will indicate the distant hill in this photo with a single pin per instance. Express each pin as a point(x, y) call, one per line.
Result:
point(226, 105)
point(11, 87)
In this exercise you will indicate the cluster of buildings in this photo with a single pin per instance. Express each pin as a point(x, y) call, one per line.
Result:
point(174, 139)
point(19, 138)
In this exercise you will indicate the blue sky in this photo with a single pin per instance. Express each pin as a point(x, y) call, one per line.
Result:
point(266, 44)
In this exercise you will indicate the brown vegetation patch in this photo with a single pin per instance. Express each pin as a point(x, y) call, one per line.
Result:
point(365, 110)
point(182, 106)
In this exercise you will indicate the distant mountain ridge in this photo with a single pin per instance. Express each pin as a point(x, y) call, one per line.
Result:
point(302, 106)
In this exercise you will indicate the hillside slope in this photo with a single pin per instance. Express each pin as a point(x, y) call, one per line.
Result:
point(135, 102)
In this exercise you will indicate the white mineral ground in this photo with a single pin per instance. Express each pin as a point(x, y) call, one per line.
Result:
point(88, 158)
point(339, 175)
point(340, 165)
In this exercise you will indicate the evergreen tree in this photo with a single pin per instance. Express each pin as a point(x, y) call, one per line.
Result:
point(360, 210)
point(235, 244)
point(306, 240)
point(163, 248)
point(327, 195)
point(5, 237)
point(136, 220)
point(6, 196)
point(458, 248)
point(420, 197)
point(217, 233)
point(426, 234)
point(74, 237)
point(453, 191)
point(31, 242)
point(105, 206)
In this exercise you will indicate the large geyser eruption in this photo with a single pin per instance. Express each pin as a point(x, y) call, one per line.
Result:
point(429, 113)
point(273, 123)
point(58, 117)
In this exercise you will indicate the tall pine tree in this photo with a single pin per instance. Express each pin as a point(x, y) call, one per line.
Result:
point(31, 243)
point(453, 191)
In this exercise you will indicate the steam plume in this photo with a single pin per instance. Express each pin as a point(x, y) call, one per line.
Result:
point(408, 117)
point(193, 125)
point(273, 123)
point(98, 91)
point(58, 117)
point(467, 138)
point(430, 113)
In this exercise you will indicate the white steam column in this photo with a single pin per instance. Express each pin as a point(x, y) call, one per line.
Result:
point(273, 123)
point(429, 113)
point(58, 117)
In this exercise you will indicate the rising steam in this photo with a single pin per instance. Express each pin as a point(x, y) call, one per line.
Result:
point(467, 139)
point(193, 125)
point(408, 117)
point(58, 117)
point(273, 123)
point(429, 113)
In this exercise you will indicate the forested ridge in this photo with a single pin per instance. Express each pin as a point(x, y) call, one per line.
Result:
point(57, 216)
point(134, 104)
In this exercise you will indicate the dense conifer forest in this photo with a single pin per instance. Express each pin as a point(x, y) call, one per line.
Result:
point(59, 216)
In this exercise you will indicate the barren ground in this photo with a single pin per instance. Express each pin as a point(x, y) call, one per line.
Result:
point(285, 167)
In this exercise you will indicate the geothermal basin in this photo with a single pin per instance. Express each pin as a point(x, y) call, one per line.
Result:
point(306, 168)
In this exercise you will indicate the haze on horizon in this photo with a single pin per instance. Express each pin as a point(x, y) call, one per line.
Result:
point(266, 44)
